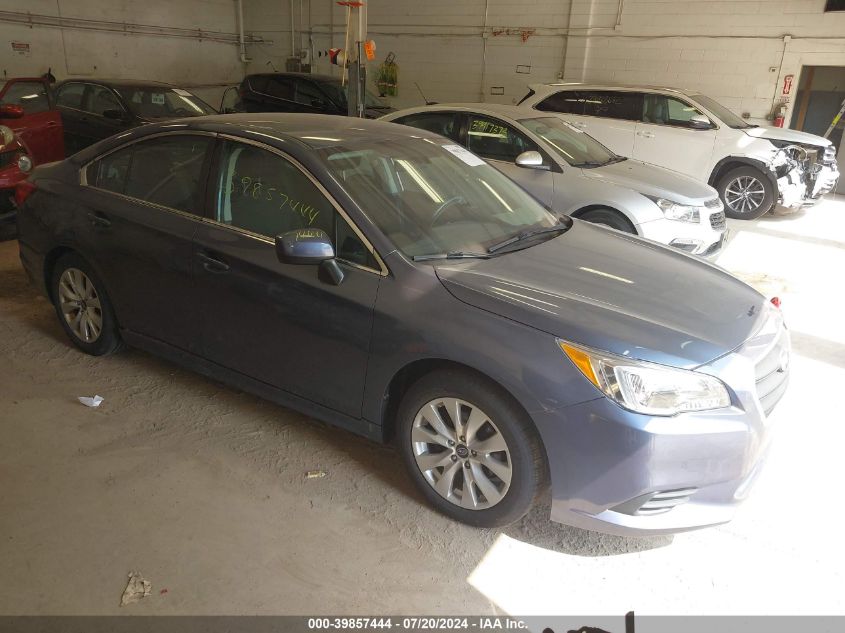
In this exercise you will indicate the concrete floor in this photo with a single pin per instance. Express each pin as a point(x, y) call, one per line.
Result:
point(202, 488)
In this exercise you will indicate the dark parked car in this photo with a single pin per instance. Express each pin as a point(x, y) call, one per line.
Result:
point(96, 109)
point(389, 281)
point(296, 92)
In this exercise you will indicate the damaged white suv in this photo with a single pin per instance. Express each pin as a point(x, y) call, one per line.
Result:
point(752, 167)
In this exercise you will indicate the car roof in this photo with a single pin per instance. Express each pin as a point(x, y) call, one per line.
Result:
point(122, 83)
point(609, 86)
point(492, 109)
point(313, 131)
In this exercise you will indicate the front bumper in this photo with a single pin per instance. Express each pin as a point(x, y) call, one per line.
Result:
point(794, 192)
point(704, 238)
point(630, 474)
point(9, 177)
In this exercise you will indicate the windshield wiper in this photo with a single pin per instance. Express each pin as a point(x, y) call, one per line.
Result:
point(451, 255)
point(524, 235)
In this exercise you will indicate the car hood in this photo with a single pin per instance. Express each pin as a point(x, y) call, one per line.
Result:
point(791, 136)
point(652, 181)
point(614, 292)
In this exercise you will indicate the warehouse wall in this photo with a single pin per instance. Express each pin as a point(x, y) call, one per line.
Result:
point(730, 49)
point(87, 53)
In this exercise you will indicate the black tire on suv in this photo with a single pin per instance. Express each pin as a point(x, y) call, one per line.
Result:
point(746, 193)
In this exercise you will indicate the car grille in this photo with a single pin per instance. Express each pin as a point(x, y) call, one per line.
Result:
point(655, 502)
point(717, 221)
point(7, 158)
point(771, 373)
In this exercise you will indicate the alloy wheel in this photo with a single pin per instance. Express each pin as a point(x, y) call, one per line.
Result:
point(461, 453)
point(744, 194)
point(80, 305)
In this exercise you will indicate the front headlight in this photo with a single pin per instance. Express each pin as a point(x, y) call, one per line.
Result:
point(647, 387)
point(677, 211)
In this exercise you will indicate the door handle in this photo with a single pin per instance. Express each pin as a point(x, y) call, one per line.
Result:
point(52, 124)
point(99, 220)
point(211, 264)
point(646, 134)
point(578, 124)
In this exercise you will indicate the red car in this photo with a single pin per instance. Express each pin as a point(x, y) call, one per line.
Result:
point(27, 108)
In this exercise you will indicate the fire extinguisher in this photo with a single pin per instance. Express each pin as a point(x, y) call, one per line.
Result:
point(779, 117)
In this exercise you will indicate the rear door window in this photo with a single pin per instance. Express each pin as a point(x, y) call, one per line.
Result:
point(30, 95)
point(166, 171)
point(565, 101)
point(610, 104)
point(444, 123)
point(280, 88)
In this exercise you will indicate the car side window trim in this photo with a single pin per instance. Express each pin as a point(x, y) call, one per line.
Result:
point(383, 271)
point(552, 164)
point(83, 172)
point(686, 102)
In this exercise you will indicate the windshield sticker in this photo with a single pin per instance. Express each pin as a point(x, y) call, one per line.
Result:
point(465, 155)
point(487, 128)
point(157, 98)
point(182, 93)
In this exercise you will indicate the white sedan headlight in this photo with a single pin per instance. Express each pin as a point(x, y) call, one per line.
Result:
point(647, 387)
point(679, 212)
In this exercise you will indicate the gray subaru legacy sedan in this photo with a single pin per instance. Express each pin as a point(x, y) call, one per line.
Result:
point(390, 282)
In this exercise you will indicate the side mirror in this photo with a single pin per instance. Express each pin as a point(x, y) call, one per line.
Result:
point(115, 115)
point(310, 246)
point(700, 122)
point(318, 103)
point(11, 111)
point(531, 160)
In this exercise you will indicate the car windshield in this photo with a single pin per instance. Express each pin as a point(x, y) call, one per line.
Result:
point(339, 93)
point(571, 144)
point(153, 102)
point(433, 198)
point(722, 113)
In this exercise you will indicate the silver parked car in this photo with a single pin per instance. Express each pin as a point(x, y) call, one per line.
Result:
point(571, 172)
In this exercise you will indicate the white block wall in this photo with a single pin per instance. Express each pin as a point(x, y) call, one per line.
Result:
point(726, 48)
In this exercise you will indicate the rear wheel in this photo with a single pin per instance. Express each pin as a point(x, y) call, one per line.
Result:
point(473, 454)
point(746, 193)
point(609, 217)
point(83, 307)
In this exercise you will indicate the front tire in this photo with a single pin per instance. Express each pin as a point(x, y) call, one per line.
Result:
point(746, 193)
point(83, 307)
point(473, 454)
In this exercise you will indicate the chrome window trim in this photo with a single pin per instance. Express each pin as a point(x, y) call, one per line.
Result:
point(384, 271)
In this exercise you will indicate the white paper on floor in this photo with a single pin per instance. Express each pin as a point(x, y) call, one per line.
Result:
point(91, 402)
point(136, 589)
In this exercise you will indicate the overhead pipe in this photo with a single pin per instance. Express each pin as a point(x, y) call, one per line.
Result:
point(126, 28)
point(484, 48)
point(292, 31)
point(244, 58)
